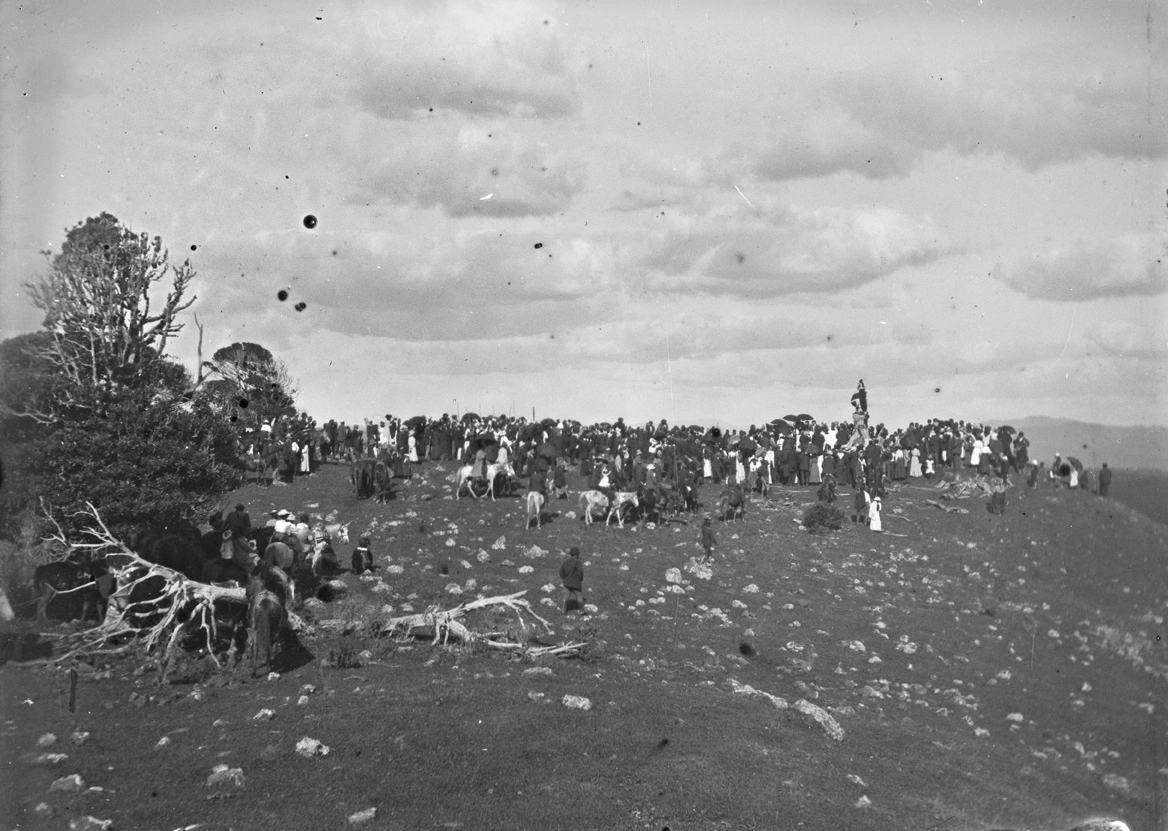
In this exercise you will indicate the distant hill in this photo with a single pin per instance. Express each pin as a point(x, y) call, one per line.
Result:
point(1131, 448)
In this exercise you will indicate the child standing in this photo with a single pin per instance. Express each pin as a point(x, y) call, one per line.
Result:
point(362, 557)
point(874, 515)
point(708, 540)
point(572, 575)
point(559, 481)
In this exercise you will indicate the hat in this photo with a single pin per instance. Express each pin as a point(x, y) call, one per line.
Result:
point(573, 551)
point(283, 512)
point(240, 507)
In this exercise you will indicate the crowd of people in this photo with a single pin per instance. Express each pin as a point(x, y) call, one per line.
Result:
point(790, 451)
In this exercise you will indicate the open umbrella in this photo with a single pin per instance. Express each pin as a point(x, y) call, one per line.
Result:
point(548, 423)
point(1006, 428)
point(416, 421)
point(470, 416)
point(1078, 465)
point(791, 418)
point(804, 417)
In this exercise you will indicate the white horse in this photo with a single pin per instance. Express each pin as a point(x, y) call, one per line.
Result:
point(592, 502)
point(619, 503)
point(534, 509)
point(493, 471)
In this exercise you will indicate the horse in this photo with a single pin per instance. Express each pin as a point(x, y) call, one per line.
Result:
point(264, 466)
point(362, 475)
point(826, 492)
point(267, 596)
point(493, 471)
point(535, 501)
point(382, 482)
point(85, 578)
point(180, 550)
point(620, 500)
point(591, 502)
point(324, 556)
point(732, 503)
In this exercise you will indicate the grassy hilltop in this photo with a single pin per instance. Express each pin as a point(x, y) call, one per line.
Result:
point(983, 672)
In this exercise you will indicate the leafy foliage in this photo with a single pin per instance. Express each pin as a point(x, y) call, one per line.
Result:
point(153, 460)
point(821, 518)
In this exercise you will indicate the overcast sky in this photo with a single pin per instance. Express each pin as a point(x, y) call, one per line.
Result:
point(696, 211)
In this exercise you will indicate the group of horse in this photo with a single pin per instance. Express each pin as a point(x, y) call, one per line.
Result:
point(372, 477)
point(274, 465)
point(657, 504)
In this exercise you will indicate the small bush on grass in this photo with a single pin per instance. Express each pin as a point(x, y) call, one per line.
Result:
point(821, 518)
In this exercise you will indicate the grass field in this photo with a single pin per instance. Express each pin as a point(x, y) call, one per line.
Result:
point(983, 672)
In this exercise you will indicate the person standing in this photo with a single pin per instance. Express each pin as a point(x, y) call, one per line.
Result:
point(707, 540)
point(1104, 480)
point(874, 515)
point(572, 576)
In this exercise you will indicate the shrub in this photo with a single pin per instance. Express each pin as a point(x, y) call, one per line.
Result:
point(821, 518)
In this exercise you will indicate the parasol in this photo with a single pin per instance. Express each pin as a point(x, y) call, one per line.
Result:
point(1006, 428)
point(1078, 465)
point(470, 416)
point(790, 418)
point(804, 417)
point(416, 421)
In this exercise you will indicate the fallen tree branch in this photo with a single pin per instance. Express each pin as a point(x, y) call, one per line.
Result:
point(179, 600)
point(445, 624)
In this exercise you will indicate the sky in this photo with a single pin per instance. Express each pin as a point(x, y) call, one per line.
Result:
point(704, 212)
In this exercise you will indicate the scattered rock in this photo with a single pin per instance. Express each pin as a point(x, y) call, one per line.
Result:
point(90, 824)
point(69, 784)
point(264, 715)
point(79, 738)
point(47, 740)
point(362, 816)
point(163, 742)
point(538, 671)
point(50, 759)
point(43, 810)
point(577, 702)
point(225, 775)
point(308, 748)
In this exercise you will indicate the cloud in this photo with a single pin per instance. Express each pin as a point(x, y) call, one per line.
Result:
point(466, 170)
point(1135, 265)
point(774, 250)
point(480, 60)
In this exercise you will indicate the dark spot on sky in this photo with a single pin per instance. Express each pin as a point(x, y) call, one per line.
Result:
point(320, 18)
point(545, 22)
point(936, 389)
point(301, 306)
point(740, 257)
point(539, 245)
point(494, 171)
point(334, 252)
point(243, 403)
point(553, 336)
point(286, 176)
point(310, 221)
point(829, 337)
point(638, 124)
point(194, 248)
point(282, 294)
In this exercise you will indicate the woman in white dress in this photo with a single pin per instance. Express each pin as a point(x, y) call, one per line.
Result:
point(412, 443)
point(914, 465)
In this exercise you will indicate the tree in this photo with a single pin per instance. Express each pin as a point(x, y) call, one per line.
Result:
point(248, 377)
point(107, 325)
point(100, 414)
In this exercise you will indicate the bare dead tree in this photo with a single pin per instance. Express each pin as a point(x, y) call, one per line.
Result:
point(103, 311)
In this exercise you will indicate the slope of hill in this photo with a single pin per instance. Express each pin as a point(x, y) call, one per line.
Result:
point(962, 671)
point(1131, 448)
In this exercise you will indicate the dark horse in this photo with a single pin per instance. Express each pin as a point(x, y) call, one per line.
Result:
point(267, 597)
point(362, 476)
